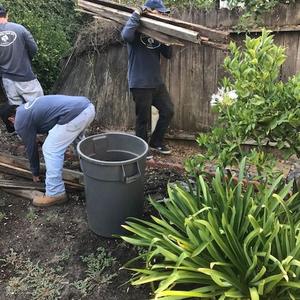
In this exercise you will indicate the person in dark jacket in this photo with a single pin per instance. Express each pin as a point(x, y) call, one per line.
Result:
point(63, 118)
point(144, 78)
point(17, 50)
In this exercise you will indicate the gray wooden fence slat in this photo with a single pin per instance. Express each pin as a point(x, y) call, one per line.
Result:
point(297, 58)
point(295, 11)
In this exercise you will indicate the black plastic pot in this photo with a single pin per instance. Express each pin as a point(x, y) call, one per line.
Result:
point(113, 165)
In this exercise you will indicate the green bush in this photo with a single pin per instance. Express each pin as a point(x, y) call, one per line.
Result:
point(53, 25)
point(223, 239)
point(253, 104)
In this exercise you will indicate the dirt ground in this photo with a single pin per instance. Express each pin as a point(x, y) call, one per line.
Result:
point(51, 253)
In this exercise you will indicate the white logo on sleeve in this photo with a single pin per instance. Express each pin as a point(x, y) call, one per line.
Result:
point(7, 38)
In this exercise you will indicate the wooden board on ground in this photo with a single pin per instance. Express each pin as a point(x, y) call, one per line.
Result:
point(27, 194)
point(17, 166)
point(21, 184)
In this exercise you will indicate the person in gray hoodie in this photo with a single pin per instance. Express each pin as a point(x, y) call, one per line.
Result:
point(144, 78)
point(17, 48)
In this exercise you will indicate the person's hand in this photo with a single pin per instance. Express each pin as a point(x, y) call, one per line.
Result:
point(141, 9)
point(36, 179)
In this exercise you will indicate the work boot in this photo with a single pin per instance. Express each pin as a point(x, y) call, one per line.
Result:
point(44, 200)
point(163, 149)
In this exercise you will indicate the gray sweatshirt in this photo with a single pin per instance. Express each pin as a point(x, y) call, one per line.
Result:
point(143, 56)
point(41, 115)
point(17, 48)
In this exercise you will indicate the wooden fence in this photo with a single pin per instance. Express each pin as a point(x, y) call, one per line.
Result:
point(192, 75)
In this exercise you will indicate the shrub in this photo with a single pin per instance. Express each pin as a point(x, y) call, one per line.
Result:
point(265, 109)
point(222, 239)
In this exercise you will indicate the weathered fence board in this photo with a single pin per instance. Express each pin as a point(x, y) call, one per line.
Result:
point(192, 75)
point(103, 78)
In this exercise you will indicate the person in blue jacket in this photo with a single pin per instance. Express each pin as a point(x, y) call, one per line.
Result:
point(144, 77)
point(63, 118)
point(17, 48)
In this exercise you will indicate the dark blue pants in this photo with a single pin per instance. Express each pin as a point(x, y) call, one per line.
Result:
point(144, 98)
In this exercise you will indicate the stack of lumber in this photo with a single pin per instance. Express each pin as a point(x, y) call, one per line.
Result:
point(164, 29)
point(19, 168)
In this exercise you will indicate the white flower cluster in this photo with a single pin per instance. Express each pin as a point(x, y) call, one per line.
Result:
point(224, 97)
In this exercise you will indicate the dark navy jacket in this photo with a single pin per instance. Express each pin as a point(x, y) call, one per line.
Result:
point(143, 56)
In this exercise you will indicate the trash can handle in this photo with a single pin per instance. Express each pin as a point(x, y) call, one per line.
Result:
point(133, 178)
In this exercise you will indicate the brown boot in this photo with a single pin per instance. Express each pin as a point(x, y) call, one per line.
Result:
point(45, 200)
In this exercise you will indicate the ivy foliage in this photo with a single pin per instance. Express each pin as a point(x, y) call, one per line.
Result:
point(53, 25)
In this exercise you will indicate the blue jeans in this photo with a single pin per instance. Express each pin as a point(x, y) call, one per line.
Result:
point(55, 146)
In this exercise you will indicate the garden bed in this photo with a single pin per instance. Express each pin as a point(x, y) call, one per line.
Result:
point(51, 253)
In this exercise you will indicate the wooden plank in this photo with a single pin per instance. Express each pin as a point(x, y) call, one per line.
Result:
point(18, 184)
point(291, 45)
point(224, 20)
point(296, 11)
point(111, 13)
point(209, 71)
point(212, 34)
point(291, 48)
point(196, 112)
point(27, 194)
point(280, 12)
point(215, 45)
point(172, 73)
point(162, 38)
point(293, 14)
point(205, 31)
point(279, 41)
point(20, 167)
point(298, 56)
point(283, 28)
point(185, 81)
point(20, 172)
point(23, 164)
point(114, 5)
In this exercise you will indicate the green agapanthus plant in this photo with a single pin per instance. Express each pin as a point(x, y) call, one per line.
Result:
point(222, 239)
point(253, 104)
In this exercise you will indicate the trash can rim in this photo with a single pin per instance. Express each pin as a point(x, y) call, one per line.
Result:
point(110, 163)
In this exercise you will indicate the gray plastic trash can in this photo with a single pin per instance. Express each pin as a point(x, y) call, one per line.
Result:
point(113, 165)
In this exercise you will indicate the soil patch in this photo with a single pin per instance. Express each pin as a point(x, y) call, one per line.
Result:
point(52, 254)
